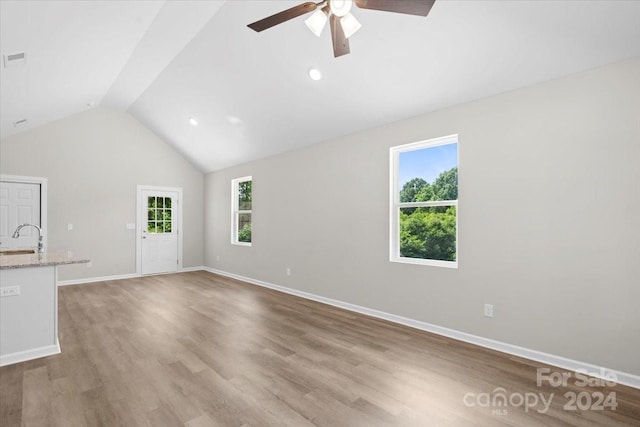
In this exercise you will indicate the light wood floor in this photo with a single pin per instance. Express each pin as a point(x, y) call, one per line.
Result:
point(197, 349)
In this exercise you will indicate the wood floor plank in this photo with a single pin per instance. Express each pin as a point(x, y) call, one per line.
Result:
point(11, 389)
point(67, 403)
point(197, 349)
point(37, 396)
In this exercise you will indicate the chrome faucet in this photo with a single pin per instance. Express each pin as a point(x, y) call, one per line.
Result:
point(16, 234)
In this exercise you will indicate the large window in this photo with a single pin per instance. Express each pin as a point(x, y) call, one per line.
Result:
point(241, 211)
point(424, 202)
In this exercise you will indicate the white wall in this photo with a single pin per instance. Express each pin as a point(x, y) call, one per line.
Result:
point(549, 219)
point(93, 162)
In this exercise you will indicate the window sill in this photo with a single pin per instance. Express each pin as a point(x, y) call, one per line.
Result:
point(429, 262)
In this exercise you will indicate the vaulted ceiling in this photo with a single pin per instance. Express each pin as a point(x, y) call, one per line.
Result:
point(167, 61)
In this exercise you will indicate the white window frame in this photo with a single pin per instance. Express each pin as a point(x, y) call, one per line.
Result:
point(395, 205)
point(235, 210)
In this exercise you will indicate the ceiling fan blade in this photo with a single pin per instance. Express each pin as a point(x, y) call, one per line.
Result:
point(283, 16)
point(410, 7)
point(340, 42)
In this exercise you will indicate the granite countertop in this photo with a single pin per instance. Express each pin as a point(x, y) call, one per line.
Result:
point(48, 258)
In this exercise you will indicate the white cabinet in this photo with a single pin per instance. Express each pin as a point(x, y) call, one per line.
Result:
point(28, 321)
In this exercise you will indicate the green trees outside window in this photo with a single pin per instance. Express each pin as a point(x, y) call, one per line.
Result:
point(242, 210)
point(429, 232)
point(159, 215)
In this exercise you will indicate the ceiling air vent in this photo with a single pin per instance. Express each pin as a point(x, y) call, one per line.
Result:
point(14, 59)
point(19, 123)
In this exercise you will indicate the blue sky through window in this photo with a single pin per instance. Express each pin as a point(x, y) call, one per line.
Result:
point(427, 163)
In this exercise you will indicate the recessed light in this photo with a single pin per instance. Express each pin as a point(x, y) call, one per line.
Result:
point(314, 74)
point(193, 121)
point(234, 120)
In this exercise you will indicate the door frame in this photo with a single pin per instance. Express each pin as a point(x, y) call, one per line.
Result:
point(43, 199)
point(141, 221)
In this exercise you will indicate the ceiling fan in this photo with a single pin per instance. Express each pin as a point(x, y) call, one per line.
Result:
point(337, 12)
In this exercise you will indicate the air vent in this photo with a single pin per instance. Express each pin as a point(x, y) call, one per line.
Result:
point(19, 123)
point(14, 59)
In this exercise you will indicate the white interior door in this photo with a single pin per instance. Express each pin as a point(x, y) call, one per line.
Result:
point(158, 225)
point(19, 204)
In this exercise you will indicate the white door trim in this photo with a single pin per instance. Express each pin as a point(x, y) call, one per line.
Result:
point(43, 198)
point(141, 214)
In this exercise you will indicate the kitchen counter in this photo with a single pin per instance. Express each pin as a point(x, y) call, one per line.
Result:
point(29, 304)
point(48, 258)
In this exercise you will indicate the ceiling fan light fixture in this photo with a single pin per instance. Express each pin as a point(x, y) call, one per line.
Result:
point(316, 22)
point(340, 7)
point(337, 12)
point(350, 25)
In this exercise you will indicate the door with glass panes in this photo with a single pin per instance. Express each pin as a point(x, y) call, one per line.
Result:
point(159, 245)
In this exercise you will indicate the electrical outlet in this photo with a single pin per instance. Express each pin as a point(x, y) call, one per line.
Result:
point(131, 226)
point(288, 271)
point(69, 226)
point(488, 310)
point(9, 291)
point(89, 264)
point(217, 257)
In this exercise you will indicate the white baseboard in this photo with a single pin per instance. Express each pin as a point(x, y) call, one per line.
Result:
point(625, 378)
point(23, 356)
point(200, 268)
point(96, 279)
point(118, 277)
